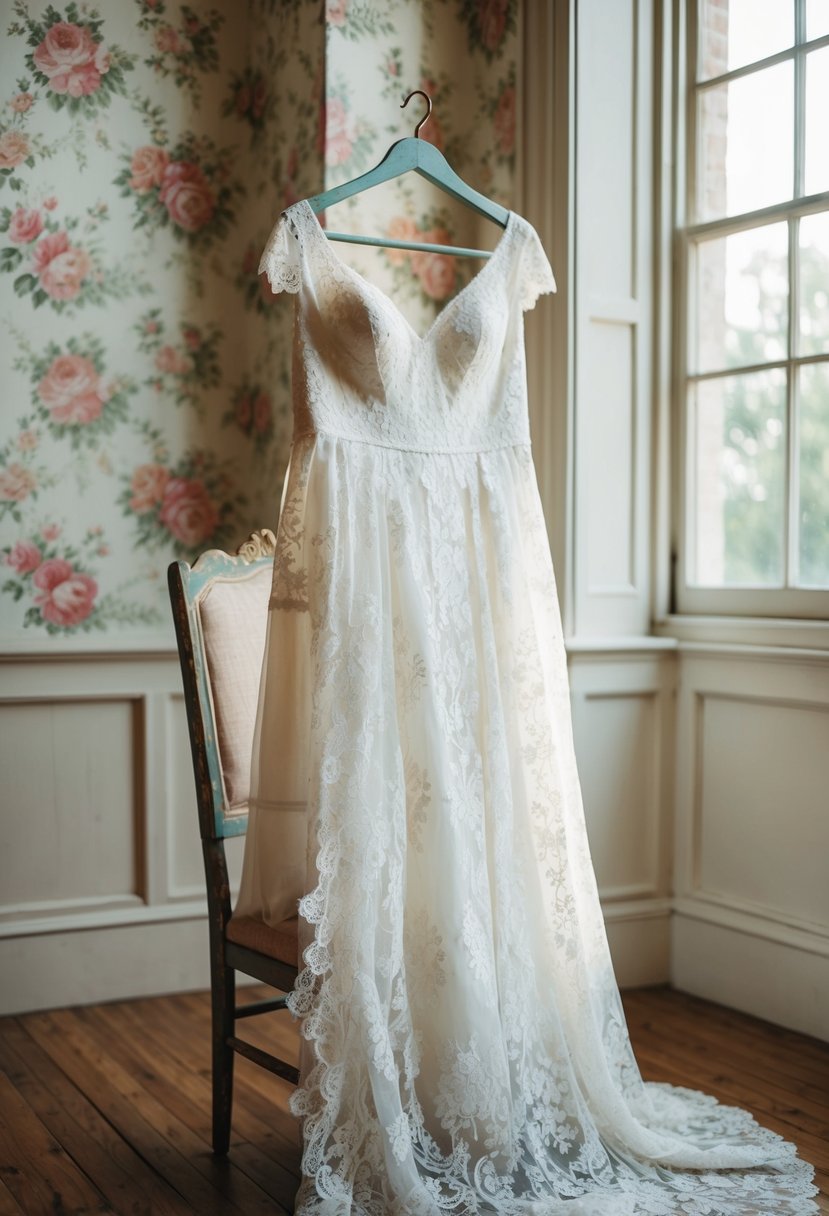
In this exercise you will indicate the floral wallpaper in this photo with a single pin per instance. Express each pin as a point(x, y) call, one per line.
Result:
point(146, 148)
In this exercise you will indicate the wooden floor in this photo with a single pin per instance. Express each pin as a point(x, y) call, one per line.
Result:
point(107, 1108)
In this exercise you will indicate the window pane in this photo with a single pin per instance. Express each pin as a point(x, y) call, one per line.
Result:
point(817, 107)
point(740, 460)
point(817, 18)
point(814, 475)
point(742, 299)
point(737, 32)
point(745, 133)
point(814, 284)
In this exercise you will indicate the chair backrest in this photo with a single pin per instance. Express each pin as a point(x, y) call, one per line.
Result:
point(220, 610)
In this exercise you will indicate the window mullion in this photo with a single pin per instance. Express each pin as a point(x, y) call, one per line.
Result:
point(790, 521)
point(792, 539)
point(799, 99)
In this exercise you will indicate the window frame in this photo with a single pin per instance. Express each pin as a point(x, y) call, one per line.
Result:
point(731, 601)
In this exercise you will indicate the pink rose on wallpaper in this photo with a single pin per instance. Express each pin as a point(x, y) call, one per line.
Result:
point(187, 511)
point(148, 165)
point(262, 413)
point(27, 441)
point(170, 360)
point(71, 390)
point(243, 96)
point(192, 337)
point(167, 41)
point(50, 203)
point(492, 22)
point(243, 412)
point(401, 228)
point(186, 195)
point(72, 60)
point(436, 271)
point(66, 597)
point(14, 148)
point(60, 266)
point(437, 275)
point(25, 226)
point(505, 121)
point(50, 532)
point(148, 484)
point(21, 102)
point(24, 557)
point(335, 11)
point(257, 104)
point(339, 142)
point(16, 483)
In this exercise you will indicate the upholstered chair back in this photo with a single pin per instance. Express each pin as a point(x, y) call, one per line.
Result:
point(220, 608)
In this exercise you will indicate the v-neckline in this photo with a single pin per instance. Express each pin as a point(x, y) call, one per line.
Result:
point(423, 339)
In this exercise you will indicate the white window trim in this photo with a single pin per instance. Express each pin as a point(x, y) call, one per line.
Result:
point(776, 606)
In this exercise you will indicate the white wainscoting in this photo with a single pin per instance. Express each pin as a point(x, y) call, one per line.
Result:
point(751, 906)
point(101, 880)
point(101, 884)
point(623, 731)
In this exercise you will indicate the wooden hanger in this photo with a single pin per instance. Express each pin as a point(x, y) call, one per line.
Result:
point(413, 153)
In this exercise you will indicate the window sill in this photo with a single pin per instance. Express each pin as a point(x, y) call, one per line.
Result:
point(774, 632)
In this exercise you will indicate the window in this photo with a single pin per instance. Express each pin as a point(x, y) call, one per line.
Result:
point(755, 336)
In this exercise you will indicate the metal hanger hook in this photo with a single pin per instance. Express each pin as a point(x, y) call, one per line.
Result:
point(416, 93)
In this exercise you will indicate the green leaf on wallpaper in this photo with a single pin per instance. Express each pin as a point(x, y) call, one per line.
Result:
point(10, 257)
point(23, 284)
point(13, 589)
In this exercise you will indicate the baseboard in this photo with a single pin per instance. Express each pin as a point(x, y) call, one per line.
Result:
point(750, 971)
point(114, 963)
point(83, 966)
point(639, 935)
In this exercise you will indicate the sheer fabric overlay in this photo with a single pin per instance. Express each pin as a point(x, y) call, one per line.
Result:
point(415, 791)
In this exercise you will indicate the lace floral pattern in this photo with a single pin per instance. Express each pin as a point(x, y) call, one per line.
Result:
point(464, 1046)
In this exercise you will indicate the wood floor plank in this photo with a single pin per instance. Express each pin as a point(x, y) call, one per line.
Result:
point(765, 1059)
point(656, 1067)
point(187, 1093)
point(211, 1186)
point(44, 1178)
point(761, 1094)
point(185, 1032)
point(8, 1204)
point(121, 1175)
point(121, 1095)
point(805, 1057)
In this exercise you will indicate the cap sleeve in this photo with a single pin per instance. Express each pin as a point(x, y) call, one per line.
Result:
point(535, 272)
point(280, 257)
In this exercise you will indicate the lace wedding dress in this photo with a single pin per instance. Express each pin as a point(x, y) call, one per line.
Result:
point(415, 789)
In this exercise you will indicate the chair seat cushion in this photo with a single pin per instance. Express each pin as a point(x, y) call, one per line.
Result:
point(277, 941)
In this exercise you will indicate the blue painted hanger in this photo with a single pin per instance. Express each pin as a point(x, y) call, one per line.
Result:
point(413, 153)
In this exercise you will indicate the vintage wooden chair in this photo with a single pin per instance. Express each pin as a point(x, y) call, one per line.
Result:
point(220, 611)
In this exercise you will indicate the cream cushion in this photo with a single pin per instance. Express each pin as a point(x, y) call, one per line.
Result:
point(234, 620)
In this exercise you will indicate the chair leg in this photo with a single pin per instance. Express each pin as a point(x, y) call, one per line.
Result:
point(224, 1000)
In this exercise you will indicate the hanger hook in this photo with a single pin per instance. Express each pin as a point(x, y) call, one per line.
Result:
point(415, 93)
